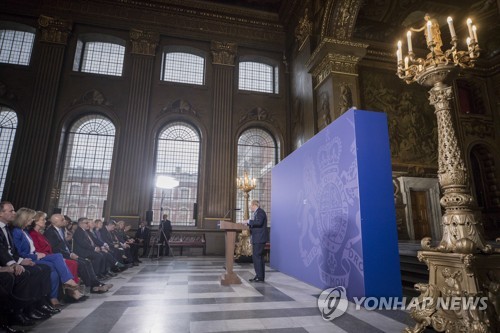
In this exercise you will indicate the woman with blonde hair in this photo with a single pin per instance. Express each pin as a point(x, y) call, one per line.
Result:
point(26, 248)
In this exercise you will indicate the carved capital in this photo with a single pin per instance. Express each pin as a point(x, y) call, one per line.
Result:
point(144, 42)
point(334, 63)
point(303, 30)
point(223, 53)
point(54, 30)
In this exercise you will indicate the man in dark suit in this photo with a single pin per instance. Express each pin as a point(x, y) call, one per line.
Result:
point(39, 285)
point(259, 234)
point(142, 236)
point(55, 234)
point(84, 247)
point(165, 232)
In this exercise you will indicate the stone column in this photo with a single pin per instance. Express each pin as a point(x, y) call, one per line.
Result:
point(131, 182)
point(221, 181)
point(28, 176)
point(333, 66)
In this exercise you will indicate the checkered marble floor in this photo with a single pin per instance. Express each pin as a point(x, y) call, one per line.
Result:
point(183, 294)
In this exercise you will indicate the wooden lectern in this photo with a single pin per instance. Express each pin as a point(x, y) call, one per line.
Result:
point(230, 228)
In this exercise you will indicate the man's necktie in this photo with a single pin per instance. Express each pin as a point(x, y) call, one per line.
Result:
point(63, 238)
point(8, 238)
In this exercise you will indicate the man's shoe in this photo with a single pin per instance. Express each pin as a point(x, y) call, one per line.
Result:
point(50, 309)
point(21, 320)
point(8, 329)
point(37, 315)
point(256, 279)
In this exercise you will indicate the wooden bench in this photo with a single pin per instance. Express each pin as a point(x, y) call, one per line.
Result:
point(181, 239)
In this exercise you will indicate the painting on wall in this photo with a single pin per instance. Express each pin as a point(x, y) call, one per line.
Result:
point(412, 123)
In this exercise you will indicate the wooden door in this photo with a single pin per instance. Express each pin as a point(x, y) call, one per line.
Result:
point(420, 214)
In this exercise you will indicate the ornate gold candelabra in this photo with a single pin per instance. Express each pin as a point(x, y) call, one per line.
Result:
point(244, 246)
point(462, 265)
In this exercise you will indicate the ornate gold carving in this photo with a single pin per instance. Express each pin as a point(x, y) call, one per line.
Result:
point(144, 42)
point(339, 18)
point(303, 30)
point(467, 278)
point(324, 112)
point(334, 63)
point(345, 97)
point(54, 30)
point(412, 124)
point(181, 106)
point(92, 97)
point(478, 128)
point(223, 53)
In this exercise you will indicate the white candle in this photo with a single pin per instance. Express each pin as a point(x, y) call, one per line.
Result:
point(410, 48)
point(429, 31)
point(474, 31)
point(400, 52)
point(469, 25)
point(406, 62)
point(452, 28)
point(468, 41)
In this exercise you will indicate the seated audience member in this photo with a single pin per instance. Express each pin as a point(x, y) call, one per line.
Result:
point(85, 247)
point(127, 242)
point(26, 248)
point(42, 244)
point(55, 233)
point(15, 294)
point(114, 265)
point(108, 236)
point(38, 286)
point(142, 237)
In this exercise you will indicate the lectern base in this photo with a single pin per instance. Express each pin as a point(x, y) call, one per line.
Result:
point(227, 279)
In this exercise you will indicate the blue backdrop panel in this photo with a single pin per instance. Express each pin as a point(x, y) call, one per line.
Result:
point(333, 216)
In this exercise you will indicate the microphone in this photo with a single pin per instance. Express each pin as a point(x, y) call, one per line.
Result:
point(228, 211)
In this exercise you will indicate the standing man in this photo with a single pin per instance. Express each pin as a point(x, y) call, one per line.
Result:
point(259, 234)
point(142, 236)
point(165, 232)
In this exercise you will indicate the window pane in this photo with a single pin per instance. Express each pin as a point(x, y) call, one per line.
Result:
point(257, 153)
point(102, 58)
point(16, 47)
point(178, 154)
point(184, 68)
point(87, 166)
point(255, 76)
point(8, 126)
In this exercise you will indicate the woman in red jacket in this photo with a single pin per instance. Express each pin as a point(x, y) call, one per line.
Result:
point(42, 245)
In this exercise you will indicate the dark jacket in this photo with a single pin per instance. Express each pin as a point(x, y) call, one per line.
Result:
point(82, 244)
point(58, 243)
point(258, 227)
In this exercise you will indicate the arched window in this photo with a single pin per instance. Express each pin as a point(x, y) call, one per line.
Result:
point(260, 77)
point(177, 164)
point(16, 46)
point(88, 157)
point(99, 55)
point(183, 67)
point(258, 152)
point(8, 126)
